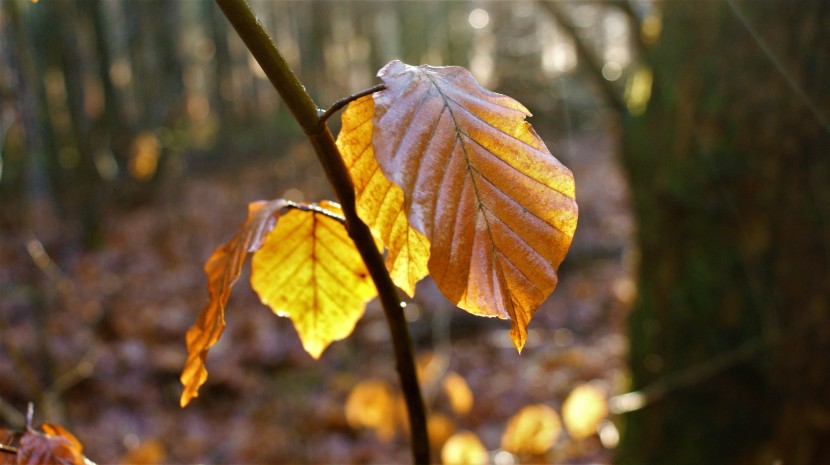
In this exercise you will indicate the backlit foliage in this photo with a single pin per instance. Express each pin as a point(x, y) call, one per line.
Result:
point(451, 180)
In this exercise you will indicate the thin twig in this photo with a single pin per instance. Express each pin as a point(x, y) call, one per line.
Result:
point(316, 209)
point(82, 371)
point(307, 114)
point(8, 449)
point(336, 106)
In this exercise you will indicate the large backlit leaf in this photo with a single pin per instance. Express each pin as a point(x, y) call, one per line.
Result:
point(496, 206)
point(223, 269)
point(380, 202)
point(309, 270)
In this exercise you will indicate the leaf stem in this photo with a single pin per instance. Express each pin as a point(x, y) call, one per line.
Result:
point(308, 115)
point(336, 106)
point(316, 209)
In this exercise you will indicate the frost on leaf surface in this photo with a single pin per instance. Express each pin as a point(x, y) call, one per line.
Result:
point(380, 202)
point(223, 269)
point(497, 208)
point(309, 270)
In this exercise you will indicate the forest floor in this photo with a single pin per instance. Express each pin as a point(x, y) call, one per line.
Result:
point(96, 338)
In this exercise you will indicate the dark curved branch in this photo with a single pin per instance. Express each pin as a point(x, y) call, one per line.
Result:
point(308, 115)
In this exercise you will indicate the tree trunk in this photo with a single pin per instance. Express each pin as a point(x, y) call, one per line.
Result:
point(730, 174)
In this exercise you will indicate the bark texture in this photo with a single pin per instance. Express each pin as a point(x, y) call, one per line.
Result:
point(730, 173)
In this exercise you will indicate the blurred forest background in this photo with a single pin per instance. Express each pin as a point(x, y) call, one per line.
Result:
point(691, 320)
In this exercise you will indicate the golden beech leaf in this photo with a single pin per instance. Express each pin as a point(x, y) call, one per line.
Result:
point(532, 431)
point(309, 270)
point(584, 410)
point(55, 446)
point(380, 202)
point(223, 269)
point(497, 208)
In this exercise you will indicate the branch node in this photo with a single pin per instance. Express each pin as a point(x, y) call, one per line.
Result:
point(336, 106)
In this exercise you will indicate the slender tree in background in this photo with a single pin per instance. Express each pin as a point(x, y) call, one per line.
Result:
point(730, 175)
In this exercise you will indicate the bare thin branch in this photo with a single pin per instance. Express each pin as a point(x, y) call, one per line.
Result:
point(336, 106)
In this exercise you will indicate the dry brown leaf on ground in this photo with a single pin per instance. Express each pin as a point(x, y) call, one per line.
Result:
point(497, 208)
point(55, 446)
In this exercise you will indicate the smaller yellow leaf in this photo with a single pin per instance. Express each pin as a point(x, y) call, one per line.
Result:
point(464, 448)
point(309, 270)
point(373, 404)
point(532, 431)
point(584, 410)
point(459, 393)
point(440, 428)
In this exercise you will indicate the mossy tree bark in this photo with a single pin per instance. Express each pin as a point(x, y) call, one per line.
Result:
point(730, 174)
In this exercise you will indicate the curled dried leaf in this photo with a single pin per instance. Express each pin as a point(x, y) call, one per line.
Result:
point(223, 269)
